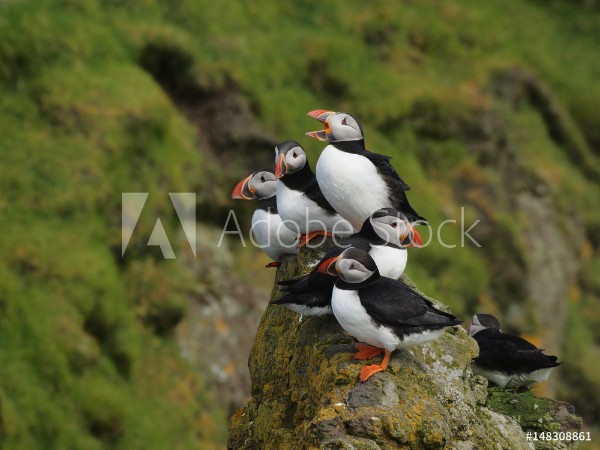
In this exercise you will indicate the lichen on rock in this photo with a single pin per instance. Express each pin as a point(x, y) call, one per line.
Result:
point(306, 392)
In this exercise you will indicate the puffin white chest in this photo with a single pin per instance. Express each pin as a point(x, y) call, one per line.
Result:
point(390, 261)
point(353, 318)
point(513, 380)
point(293, 207)
point(303, 215)
point(351, 184)
point(272, 236)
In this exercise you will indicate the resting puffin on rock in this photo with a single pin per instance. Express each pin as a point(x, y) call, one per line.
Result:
point(385, 235)
point(300, 202)
point(507, 360)
point(354, 180)
point(383, 313)
point(274, 238)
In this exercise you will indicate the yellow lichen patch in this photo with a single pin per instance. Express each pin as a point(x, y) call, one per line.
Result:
point(574, 294)
point(587, 250)
point(221, 327)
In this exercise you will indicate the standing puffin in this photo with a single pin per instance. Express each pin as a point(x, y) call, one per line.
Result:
point(300, 202)
point(507, 360)
point(273, 237)
point(354, 180)
point(385, 235)
point(383, 313)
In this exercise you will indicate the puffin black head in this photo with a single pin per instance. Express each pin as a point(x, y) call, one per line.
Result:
point(393, 227)
point(261, 184)
point(289, 158)
point(339, 126)
point(353, 265)
point(481, 322)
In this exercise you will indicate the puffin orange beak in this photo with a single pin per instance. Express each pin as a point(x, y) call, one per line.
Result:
point(322, 115)
point(280, 167)
point(412, 238)
point(329, 267)
point(243, 190)
point(415, 238)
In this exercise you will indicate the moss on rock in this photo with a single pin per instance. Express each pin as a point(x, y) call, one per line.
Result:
point(536, 414)
point(306, 392)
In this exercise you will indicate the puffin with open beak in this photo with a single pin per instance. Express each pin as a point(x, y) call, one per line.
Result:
point(507, 360)
point(381, 313)
point(385, 235)
point(300, 202)
point(354, 180)
point(273, 237)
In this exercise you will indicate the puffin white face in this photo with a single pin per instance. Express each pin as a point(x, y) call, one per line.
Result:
point(339, 126)
point(264, 184)
point(352, 265)
point(352, 271)
point(344, 127)
point(481, 322)
point(391, 229)
point(290, 157)
point(295, 159)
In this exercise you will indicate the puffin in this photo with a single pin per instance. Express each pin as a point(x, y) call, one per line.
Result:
point(381, 313)
point(272, 236)
point(385, 235)
point(300, 202)
point(354, 180)
point(506, 360)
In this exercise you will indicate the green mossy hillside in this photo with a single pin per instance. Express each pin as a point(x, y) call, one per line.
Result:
point(84, 361)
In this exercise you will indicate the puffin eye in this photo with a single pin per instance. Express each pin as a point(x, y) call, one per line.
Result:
point(295, 155)
point(352, 266)
point(394, 225)
point(344, 122)
point(262, 178)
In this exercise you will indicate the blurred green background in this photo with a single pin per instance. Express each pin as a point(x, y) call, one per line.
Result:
point(487, 106)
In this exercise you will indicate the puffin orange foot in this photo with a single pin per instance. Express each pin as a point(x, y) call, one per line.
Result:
point(368, 371)
point(273, 264)
point(367, 351)
point(305, 238)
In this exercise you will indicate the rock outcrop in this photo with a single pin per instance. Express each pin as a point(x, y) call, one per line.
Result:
point(306, 392)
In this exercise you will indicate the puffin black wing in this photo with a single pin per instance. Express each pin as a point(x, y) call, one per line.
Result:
point(510, 354)
point(305, 182)
point(314, 281)
point(404, 206)
point(294, 280)
point(393, 303)
point(395, 184)
point(313, 192)
point(312, 299)
point(384, 167)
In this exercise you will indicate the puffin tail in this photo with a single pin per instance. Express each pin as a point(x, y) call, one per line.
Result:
point(292, 281)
